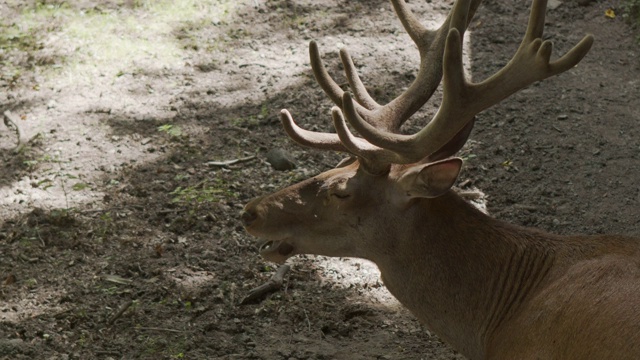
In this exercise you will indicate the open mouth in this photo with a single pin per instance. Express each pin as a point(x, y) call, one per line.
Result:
point(272, 247)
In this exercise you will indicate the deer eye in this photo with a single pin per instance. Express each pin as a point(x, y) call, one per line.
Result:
point(340, 190)
point(340, 196)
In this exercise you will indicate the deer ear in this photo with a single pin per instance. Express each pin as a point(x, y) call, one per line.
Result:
point(432, 179)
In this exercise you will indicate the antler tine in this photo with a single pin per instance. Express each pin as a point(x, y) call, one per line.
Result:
point(370, 151)
point(331, 88)
point(430, 44)
point(462, 100)
point(531, 63)
point(430, 72)
point(390, 117)
point(359, 91)
point(326, 82)
point(370, 156)
point(410, 22)
point(318, 140)
point(374, 160)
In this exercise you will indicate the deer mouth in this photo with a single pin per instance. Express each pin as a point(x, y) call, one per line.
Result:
point(276, 250)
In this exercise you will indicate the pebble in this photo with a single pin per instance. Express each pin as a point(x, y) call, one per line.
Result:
point(280, 160)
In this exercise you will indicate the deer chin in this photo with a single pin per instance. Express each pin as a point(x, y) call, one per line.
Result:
point(276, 250)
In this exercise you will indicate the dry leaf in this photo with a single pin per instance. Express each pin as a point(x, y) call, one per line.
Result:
point(9, 280)
point(159, 250)
point(610, 13)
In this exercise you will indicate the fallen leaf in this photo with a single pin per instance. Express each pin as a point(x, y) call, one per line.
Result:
point(9, 280)
point(610, 13)
point(159, 250)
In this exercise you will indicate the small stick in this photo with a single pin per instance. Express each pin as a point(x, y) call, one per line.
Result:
point(11, 121)
point(160, 329)
point(108, 352)
point(226, 163)
point(121, 311)
point(117, 208)
point(275, 283)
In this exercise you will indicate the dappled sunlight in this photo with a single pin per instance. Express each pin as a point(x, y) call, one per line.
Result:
point(119, 71)
point(50, 192)
point(361, 274)
point(190, 281)
point(100, 64)
point(106, 44)
point(121, 218)
point(36, 297)
point(70, 175)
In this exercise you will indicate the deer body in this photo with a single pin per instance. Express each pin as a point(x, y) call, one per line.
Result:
point(490, 289)
point(497, 291)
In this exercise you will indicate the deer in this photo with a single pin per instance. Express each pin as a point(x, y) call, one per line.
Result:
point(490, 289)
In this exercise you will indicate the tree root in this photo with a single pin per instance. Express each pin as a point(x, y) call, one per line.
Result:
point(275, 283)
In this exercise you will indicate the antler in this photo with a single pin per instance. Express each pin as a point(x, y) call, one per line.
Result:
point(430, 44)
point(462, 100)
point(391, 116)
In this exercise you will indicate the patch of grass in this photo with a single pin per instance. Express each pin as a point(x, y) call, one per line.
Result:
point(248, 122)
point(21, 46)
point(104, 226)
point(264, 111)
point(56, 175)
point(98, 42)
point(174, 348)
point(172, 130)
point(201, 193)
point(31, 283)
point(195, 203)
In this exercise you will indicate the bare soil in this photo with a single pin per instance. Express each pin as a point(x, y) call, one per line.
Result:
point(119, 239)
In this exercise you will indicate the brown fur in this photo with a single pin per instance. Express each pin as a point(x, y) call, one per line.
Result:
point(490, 289)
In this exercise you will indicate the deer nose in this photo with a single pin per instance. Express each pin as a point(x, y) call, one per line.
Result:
point(248, 217)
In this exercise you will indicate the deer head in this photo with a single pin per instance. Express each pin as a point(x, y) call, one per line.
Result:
point(358, 209)
point(378, 194)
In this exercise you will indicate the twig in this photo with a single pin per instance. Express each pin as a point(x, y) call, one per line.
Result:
point(10, 121)
point(117, 280)
point(160, 329)
point(306, 316)
point(169, 211)
point(226, 163)
point(109, 352)
point(275, 283)
point(116, 208)
point(120, 311)
point(251, 64)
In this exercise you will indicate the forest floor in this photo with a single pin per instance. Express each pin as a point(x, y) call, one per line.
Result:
point(119, 233)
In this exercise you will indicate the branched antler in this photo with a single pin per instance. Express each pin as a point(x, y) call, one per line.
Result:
point(441, 57)
point(430, 44)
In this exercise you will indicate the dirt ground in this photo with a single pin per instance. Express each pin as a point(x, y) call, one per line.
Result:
point(119, 234)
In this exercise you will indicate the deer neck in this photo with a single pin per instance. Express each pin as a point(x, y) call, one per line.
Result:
point(461, 272)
